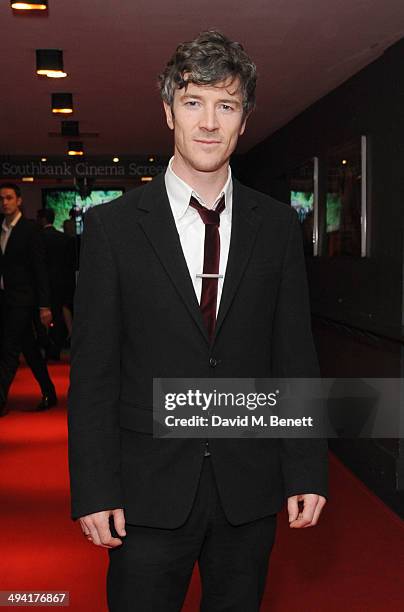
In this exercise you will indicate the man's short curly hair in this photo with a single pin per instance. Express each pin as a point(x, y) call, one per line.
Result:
point(209, 59)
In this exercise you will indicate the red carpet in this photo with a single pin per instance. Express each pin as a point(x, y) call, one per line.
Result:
point(353, 561)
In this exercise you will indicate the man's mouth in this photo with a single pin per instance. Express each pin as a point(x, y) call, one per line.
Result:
point(208, 142)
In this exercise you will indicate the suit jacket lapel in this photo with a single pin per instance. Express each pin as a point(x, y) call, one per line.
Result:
point(244, 228)
point(160, 229)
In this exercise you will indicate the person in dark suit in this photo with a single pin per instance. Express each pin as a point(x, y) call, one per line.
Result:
point(24, 287)
point(61, 271)
point(192, 276)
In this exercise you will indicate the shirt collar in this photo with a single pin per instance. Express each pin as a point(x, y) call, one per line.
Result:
point(179, 193)
point(13, 223)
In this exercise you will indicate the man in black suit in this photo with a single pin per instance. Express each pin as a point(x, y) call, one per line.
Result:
point(148, 306)
point(59, 259)
point(24, 287)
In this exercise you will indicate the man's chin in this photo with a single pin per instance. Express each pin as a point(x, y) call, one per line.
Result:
point(210, 164)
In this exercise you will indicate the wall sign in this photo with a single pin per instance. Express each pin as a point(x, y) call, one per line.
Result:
point(18, 167)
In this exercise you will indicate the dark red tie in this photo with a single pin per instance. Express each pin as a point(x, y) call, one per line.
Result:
point(211, 258)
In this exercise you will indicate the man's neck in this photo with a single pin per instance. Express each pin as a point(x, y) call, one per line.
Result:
point(207, 185)
point(10, 218)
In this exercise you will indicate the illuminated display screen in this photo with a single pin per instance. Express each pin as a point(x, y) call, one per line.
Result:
point(63, 201)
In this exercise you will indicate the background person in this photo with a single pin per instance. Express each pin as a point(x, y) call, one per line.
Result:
point(24, 287)
point(60, 265)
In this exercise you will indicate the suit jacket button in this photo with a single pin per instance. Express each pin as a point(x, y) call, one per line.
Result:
point(212, 362)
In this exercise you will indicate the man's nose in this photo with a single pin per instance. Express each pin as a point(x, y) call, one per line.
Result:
point(209, 119)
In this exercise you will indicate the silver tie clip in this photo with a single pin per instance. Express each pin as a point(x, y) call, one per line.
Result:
point(209, 276)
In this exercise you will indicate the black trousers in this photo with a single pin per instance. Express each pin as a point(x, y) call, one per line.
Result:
point(151, 571)
point(16, 336)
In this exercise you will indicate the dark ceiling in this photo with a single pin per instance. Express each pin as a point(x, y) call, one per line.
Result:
point(114, 50)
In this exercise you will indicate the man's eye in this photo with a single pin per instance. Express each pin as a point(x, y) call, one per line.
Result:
point(191, 103)
point(227, 107)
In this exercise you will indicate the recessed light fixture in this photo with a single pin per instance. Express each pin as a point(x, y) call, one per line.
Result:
point(27, 179)
point(146, 179)
point(344, 162)
point(49, 62)
point(115, 160)
point(75, 148)
point(44, 159)
point(151, 158)
point(29, 6)
point(62, 103)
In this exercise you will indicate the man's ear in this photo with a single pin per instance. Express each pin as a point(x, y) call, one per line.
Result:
point(169, 115)
point(243, 124)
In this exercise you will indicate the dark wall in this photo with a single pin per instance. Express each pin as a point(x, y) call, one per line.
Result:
point(351, 353)
point(369, 103)
point(365, 293)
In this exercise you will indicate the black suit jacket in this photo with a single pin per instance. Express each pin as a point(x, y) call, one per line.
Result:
point(23, 266)
point(137, 317)
point(60, 263)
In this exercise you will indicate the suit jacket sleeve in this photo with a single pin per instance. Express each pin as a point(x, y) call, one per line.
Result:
point(304, 461)
point(94, 457)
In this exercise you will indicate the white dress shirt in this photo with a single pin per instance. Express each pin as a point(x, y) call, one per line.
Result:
point(191, 228)
point(4, 237)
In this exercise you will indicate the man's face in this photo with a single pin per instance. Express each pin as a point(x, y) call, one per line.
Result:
point(9, 202)
point(207, 121)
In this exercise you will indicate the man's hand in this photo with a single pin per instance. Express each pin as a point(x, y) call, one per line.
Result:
point(308, 516)
point(96, 527)
point(45, 315)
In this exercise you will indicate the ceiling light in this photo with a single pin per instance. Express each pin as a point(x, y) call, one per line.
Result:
point(344, 162)
point(62, 103)
point(27, 179)
point(151, 159)
point(49, 62)
point(29, 6)
point(146, 179)
point(115, 160)
point(75, 148)
point(70, 128)
point(44, 159)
